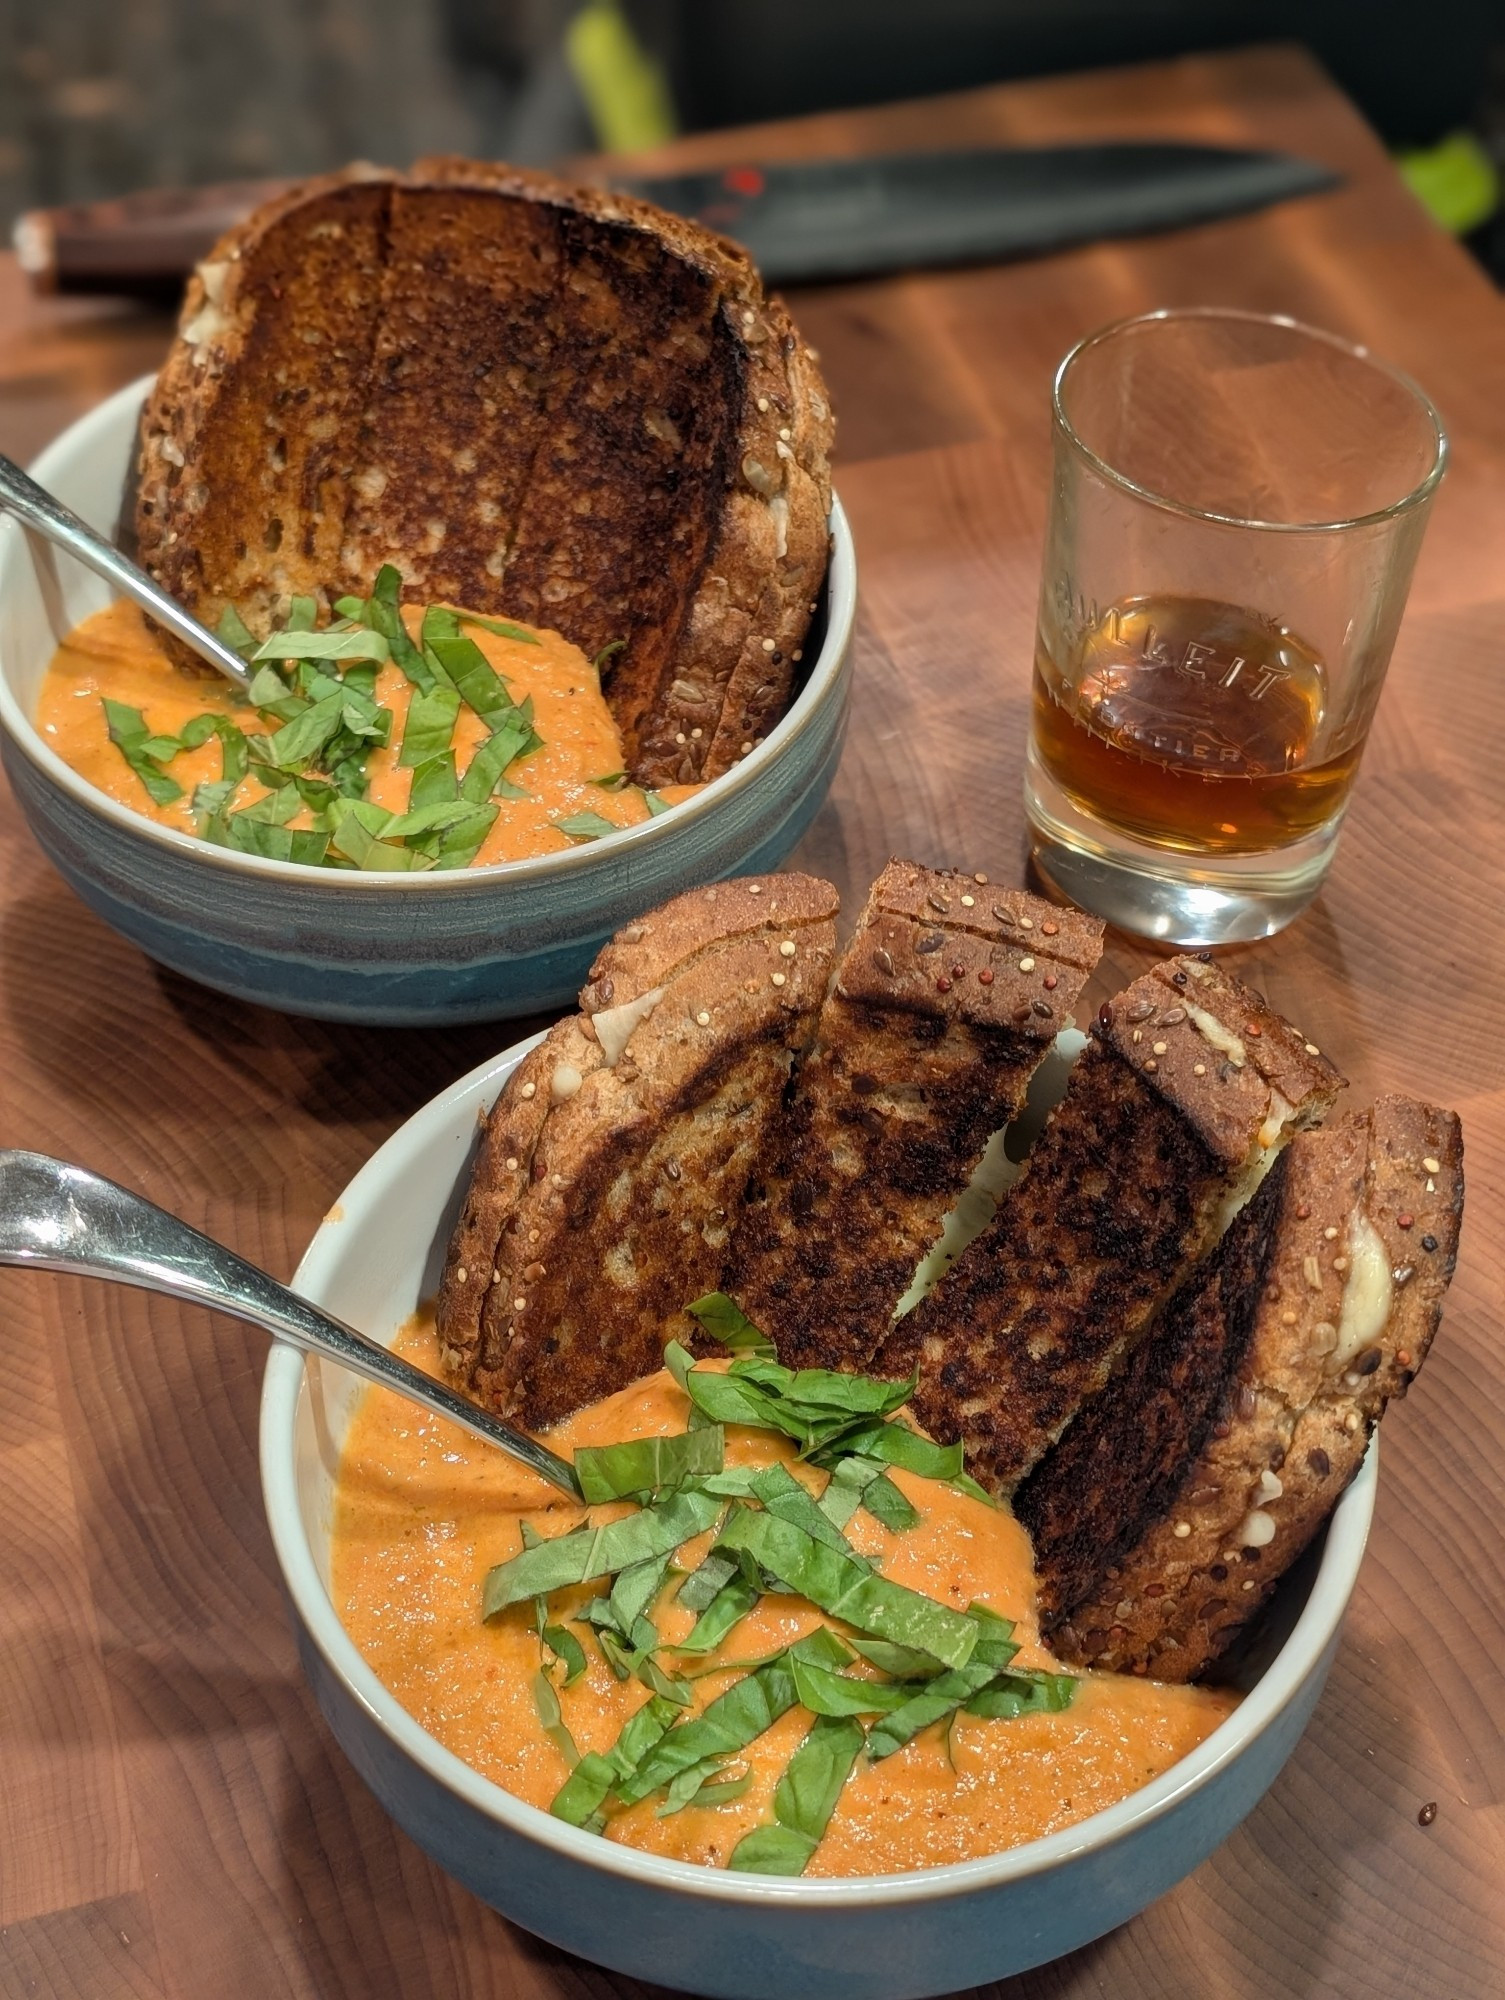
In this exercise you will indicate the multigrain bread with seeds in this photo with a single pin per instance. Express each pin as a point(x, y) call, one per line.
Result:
point(1121, 1461)
point(612, 1169)
point(533, 398)
point(1182, 1099)
point(943, 1006)
point(1361, 1253)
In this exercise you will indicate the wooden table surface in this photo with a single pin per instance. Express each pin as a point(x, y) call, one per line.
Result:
point(174, 1818)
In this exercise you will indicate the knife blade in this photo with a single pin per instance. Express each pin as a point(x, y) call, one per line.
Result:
point(802, 220)
point(821, 219)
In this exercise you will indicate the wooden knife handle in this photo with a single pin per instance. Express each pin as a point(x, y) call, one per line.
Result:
point(142, 244)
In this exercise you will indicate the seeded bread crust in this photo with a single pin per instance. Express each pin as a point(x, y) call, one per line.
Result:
point(1295, 1419)
point(1121, 1462)
point(944, 1004)
point(1188, 1088)
point(613, 1166)
point(537, 399)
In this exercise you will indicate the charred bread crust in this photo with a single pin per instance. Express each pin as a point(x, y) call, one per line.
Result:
point(365, 364)
point(1186, 1091)
point(1368, 1226)
point(944, 1004)
point(613, 1206)
point(1121, 1462)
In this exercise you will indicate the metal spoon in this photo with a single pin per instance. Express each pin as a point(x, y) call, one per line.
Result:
point(37, 508)
point(62, 1218)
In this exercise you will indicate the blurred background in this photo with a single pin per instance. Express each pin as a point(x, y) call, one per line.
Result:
point(101, 96)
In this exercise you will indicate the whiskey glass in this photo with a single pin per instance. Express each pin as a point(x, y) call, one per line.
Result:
point(1236, 510)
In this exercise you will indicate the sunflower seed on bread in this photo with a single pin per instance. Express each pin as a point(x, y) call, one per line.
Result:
point(552, 402)
point(1182, 1099)
point(944, 1004)
point(613, 1165)
point(1359, 1258)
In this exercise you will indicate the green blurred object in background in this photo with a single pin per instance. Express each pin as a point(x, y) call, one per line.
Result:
point(1456, 181)
point(626, 93)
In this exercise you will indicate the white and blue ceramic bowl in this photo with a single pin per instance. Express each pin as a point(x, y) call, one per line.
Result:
point(886, 1937)
point(477, 944)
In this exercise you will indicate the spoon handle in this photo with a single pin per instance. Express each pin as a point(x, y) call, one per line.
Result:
point(61, 1218)
point(37, 508)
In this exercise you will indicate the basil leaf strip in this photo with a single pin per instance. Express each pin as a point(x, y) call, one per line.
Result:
point(585, 826)
point(646, 1465)
point(803, 1801)
point(502, 627)
point(887, 1505)
point(384, 615)
point(302, 614)
point(694, 1788)
point(703, 1582)
point(724, 1320)
point(726, 1609)
point(897, 1444)
point(515, 738)
point(826, 1693)
point(1025, 1691)
point(430, 725)
point(131, 737)
point(782, 1494)
point(584, 1791)
point(655, 804)
point(551, 1717)
point(602, 1551)
point(433, 781)
point(567, 1649)
point(353, 643)
point(237, 635)
point(847, 1589)
point(942, 1697)
point(466, 666)
point(633, 1592)
point(729, 1723)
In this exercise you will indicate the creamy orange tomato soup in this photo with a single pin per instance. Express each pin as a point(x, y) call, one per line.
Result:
point(114, 653)
point(422, 1514)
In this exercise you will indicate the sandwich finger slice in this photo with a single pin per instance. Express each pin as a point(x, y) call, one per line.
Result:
point(946, 1001)
point(1361, 1249)
point(613, 1165)
point(1174, 1113)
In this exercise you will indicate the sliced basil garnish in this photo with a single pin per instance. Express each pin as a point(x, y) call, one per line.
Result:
point(602, 1551)
point(349, 643)
point(803, 1802)
point(647, 1465)
point(584, 826)
point(144, 752)
point(502, 627)
point(430, 725)
point(724, 1320)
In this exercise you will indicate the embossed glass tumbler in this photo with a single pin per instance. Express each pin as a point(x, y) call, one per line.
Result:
point(1237, 507)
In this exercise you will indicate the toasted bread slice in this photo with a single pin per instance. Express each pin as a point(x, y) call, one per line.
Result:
point(613, 1165)
point(1121, 1462)
point(1173, 1113)
point(548, 401)
point(1361, 1253)
point(944, 1004)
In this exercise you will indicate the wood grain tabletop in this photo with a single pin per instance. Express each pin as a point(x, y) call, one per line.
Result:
point(175, 1820)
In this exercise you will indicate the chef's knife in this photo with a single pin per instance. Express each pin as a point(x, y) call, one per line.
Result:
point(802, 220)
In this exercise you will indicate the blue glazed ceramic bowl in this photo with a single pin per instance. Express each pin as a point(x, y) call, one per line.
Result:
point(398, 950)
point(887, 1937)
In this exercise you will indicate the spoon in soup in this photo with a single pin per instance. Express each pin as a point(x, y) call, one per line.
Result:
point(34, 507)
point(56, 1217)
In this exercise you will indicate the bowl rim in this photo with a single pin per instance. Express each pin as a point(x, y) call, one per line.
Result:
point(1280, 1684)
point(841, 590)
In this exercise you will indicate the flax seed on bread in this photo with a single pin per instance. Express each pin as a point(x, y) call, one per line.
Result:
point(1179, 1103)
point(947, 999)
point(548, 401)
point(1362, 1252)
point(612, 1169)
